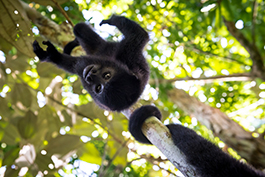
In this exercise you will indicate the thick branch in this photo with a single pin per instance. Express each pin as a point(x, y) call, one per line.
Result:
point(250, 148)
point(159, 135)
point(58, 34)
point(258, 68)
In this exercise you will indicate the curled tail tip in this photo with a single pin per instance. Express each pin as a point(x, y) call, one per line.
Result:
point(137, 119)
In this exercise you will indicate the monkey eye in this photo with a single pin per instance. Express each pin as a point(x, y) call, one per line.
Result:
point(98, 88)
point(107, 75)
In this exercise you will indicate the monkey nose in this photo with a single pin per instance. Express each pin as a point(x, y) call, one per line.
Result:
point(86, 71)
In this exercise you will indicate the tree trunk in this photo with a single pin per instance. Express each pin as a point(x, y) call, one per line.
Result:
point(248, 147)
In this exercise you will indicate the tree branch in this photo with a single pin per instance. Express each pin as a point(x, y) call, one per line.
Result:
point(63, 12)
point(103, 173)
point(214, 55)
point(159, 135)
point(223, 78)
point(258, 68)
point(254, 16)
point(222, 126)
point(58, 34)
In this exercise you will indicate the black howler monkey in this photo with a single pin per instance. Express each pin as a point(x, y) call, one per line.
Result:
point(208, 159)
point(114, 73)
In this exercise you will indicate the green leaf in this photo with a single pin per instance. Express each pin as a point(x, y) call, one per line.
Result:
point(43, 161)
point(11, 156)
point(10, 172)
point(3, 124)
point(114, 147)
point(117, 124)
point(91, 110)
point(226, 10)
point(44, 82)
point(218, 17)
point(48, 117)
point(63, 144)
point(16, 27)
point(90, 154)
point(5, 111)
point(46, 69)
point(11, 134)
point(18, 63)
point(27, 126)
point(67, 118)
point(3, 76)
point(82, 128)
point(21, 96)
point(4, 45)
point(77, 87)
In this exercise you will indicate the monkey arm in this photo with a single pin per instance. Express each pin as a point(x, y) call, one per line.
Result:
point(52, 55)
point(135, 36)
point(128, 27)
point(131, 47)
point(70, 46)
point(90, 41)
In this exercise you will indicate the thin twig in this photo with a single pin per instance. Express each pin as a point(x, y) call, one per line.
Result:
point(193, 48)
point(223, 78)
point(186, 72)
point(111, 160)
point(254, 16)
point(63, 12)
point(101, 170)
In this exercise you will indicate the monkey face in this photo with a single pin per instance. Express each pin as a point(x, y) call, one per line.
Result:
point(111, 88)
point(96, 77)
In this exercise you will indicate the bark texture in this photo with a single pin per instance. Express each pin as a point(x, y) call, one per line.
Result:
point(258, 68)
point(248, 147)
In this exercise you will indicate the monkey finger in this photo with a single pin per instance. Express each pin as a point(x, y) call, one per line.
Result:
point(104, 22)
point(48, 43)
point(41, 54)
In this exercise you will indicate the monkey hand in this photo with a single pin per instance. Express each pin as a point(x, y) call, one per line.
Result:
point(113, 19)
point(43, 55)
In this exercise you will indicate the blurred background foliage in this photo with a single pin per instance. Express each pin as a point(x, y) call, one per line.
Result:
point(49, 125)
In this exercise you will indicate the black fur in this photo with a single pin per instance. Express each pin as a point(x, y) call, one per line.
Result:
point(114, 73)
point(70, 46)
point(208, 159)
point(137, 119)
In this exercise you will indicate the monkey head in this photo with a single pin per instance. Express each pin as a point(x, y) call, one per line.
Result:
point(112, 86)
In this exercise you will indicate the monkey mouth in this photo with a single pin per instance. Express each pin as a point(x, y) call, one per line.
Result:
point(87, 70)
